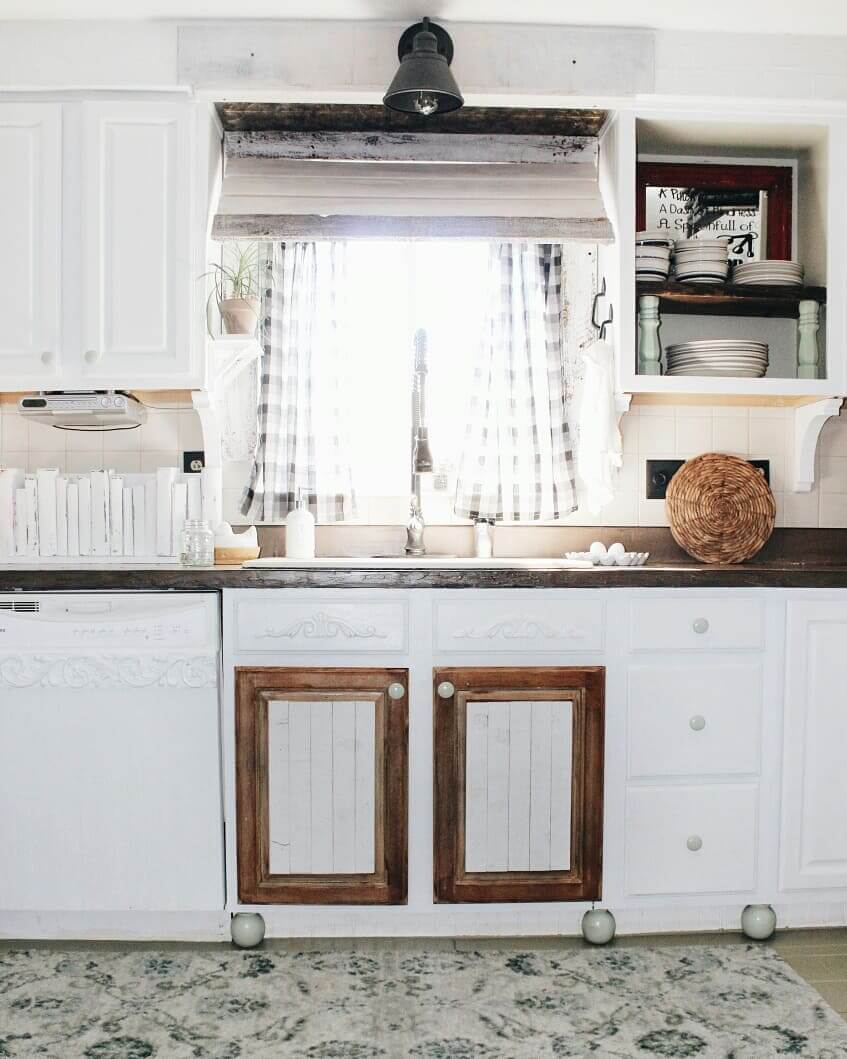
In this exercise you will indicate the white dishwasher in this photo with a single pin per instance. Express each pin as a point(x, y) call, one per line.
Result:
point(110, 790)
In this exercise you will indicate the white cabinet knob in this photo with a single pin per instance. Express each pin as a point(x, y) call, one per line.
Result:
point(700, 625)
point(694, 843)
point(697, 723)
point(47, 358)
point(396, 690)
point(91, 356)
point(446, 690)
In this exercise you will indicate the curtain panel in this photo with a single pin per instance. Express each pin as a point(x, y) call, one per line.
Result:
point(303, 441)
point(517, 461)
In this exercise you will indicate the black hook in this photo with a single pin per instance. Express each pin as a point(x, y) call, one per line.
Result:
point(601, 327)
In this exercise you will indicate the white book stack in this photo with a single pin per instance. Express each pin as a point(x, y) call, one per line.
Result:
point(96, 517)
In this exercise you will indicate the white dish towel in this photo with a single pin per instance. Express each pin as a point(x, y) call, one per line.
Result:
point(600, 453)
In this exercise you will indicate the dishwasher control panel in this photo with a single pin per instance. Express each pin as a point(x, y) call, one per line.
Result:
point(143, 622)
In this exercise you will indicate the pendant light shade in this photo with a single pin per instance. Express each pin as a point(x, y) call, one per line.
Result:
point(424, 84)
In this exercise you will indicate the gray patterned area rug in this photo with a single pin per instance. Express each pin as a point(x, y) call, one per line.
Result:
point(734, 1002)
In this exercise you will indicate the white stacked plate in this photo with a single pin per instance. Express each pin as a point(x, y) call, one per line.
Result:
point(652, 262)
point(654, 238)
point(735, 358)
point(701, 261)
point(768, 273)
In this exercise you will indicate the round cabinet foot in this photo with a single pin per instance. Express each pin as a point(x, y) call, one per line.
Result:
point(247, 929)
point(758, 922)
point(598, 926)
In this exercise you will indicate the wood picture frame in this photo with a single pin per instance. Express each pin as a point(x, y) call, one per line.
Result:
point(255, 688)
point(776, 180)
point(584, 687)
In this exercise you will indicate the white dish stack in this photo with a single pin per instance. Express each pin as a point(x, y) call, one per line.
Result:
point(652, 256)
point(734, 358)
point(768, 273)
point(701, 261)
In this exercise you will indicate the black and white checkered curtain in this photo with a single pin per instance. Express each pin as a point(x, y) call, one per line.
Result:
point(303, 445)
point(516, 462)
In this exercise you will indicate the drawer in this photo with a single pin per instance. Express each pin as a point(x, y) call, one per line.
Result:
point(697, 721)
point(687, 840)
point(320, 625)
point(525, 625)
point(694, 623)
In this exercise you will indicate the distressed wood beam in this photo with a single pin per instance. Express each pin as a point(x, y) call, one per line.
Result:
point(469, 148)
point(228, 226)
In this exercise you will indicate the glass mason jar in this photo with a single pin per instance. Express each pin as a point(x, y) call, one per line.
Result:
point(198, 543)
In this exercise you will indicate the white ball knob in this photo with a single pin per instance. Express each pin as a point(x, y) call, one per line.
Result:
point(758, 922)
point(700, 625)
point(697, 723)
point(91, 356)
point(598, 926)
point(47, 358)
point(694, 843)
point(247, 929)
point(446, 690)
point(396, 690)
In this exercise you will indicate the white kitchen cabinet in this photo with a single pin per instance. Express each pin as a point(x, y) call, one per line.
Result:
point(30, 220)
point(136, 243)
point(813, 848)
point(98, 273)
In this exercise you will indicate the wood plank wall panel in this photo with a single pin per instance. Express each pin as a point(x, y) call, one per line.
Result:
point(518, 799)
point(321, 785)
point(517, 791)
point(321, 782)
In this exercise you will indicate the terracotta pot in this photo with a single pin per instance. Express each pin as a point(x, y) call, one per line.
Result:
point(240, 316)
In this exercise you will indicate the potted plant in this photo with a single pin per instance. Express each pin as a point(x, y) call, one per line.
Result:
point(236, 290)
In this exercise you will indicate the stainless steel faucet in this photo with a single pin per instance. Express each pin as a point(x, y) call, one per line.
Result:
point(421, 454)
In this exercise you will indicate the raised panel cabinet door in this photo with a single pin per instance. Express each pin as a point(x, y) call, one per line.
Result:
point(321, 785)
point(518, 783)
point(813, 842)
point(136, 270)
point(30, 265)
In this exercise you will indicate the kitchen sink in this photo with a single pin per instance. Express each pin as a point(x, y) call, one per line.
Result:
point(420, 561)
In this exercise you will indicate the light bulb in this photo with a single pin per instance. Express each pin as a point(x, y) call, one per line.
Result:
point(426, 104)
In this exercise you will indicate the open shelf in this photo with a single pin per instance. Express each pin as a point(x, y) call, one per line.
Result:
point(730, 299)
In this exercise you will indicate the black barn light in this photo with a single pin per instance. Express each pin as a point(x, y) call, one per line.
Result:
point(424, 84)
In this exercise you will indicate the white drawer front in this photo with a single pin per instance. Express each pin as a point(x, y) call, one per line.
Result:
point(691, 839)
point(520, 625)
point(322, 625)
point(696, 624)
point(697, 721)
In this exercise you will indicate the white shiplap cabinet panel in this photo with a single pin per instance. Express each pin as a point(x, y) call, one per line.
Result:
point(137, 271)
point(813, 847)
point(30, 220)
point(518, 759)
point(321, 787)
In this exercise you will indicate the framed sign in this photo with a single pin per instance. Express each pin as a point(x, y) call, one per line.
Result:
point(748, 205)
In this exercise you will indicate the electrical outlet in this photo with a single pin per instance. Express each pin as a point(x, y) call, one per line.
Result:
point(193, 462)
point(660, 472)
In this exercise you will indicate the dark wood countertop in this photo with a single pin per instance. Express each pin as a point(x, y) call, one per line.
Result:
point(781, 574)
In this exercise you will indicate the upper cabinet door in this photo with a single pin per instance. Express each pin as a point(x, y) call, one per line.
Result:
point(30, 220)
point(136, 263)
point(813, 847)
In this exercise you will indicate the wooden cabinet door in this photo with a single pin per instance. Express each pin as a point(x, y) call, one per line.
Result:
point(321, 785)
point(518, 783)
point(30, 265)
point(813, 843)
point(136, 264)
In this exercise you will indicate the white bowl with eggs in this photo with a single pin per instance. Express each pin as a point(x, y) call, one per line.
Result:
point(615, 555)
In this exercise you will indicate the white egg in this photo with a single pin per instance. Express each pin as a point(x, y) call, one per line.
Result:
point(597, 550)
point(617, 550)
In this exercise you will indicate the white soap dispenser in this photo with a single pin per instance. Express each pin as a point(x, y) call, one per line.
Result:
point(300, 531)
